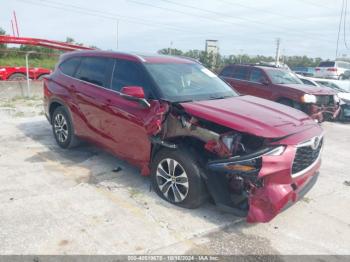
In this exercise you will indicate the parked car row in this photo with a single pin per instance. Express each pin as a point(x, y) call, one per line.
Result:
point(191, 132)
point(341, 87)
point(20, 73)
point(284, 87)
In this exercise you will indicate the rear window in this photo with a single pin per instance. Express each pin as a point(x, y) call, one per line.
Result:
point(327, 64)
point(94, 70)
point(69, 66)
point(240, 73)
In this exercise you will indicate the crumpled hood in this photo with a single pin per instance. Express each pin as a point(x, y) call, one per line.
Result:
point(251, 115)
point(312, 90)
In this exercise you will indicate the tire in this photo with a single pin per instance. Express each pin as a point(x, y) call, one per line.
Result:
point(41, 77)
point(186, 187)
point(62, 128)
point(286, 102)
point(17, 77)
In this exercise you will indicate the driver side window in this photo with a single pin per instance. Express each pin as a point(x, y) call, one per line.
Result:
point(129, 73)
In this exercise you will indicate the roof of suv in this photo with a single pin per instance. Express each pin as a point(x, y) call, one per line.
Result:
point(143, 58)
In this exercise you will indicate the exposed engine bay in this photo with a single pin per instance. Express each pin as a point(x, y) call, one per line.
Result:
point(230, 158)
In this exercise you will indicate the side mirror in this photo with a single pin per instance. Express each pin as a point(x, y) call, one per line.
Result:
point(135, 93)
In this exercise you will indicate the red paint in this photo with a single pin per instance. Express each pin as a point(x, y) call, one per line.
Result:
point(34, 73)
point(124, 127)
point(251, 115)
point(4, 39)
point(276, 92)
point(135, 91)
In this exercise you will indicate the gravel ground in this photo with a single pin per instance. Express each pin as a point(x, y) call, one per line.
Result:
point(55, 201)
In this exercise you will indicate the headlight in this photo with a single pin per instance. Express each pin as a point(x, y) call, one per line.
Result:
point(2, 69)
point(276, 151)
point(228, 141)
point(308, 98)
point(336, 99)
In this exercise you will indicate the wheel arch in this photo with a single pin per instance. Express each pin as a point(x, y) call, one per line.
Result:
point(55, 103)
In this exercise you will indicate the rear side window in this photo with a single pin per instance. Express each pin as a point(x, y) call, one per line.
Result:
point(256, 75)
point(240, 73)
point(227, 72)
point(69, 66)
point(327, 64)
point(129, 73)
point(94, 70)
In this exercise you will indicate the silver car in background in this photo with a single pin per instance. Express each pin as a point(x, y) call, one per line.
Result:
point(332, 69)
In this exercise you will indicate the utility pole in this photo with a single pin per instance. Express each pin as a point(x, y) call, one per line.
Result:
point(27, 71)
point(171, 48)
point(278, 43)
point(117, 34)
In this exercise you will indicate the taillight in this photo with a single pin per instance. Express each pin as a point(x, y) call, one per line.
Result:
point(332, 69)
point(317, 69)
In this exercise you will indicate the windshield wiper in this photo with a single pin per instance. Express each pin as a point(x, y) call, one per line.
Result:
point(218, 97)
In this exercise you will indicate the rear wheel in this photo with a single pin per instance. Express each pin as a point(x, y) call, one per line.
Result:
point(62, 128)
point(341, 77)
point(17, 77)
point(42, 77)
point(176, 178)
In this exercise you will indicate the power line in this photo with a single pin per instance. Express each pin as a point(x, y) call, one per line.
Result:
point(282, 30)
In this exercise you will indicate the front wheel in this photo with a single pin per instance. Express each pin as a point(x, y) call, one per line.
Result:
point(176, 177)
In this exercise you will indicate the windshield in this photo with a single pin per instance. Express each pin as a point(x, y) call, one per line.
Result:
point(333, 86)
point(283, 77)
point(188, 82)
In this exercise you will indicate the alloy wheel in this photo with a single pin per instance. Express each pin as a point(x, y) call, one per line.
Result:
point(172, 180)
point(61, 128)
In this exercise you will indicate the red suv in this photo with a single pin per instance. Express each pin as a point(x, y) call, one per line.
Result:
point(282, 86)
point(187, 129)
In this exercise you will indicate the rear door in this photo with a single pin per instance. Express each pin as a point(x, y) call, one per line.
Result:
point(93, 79)
point(237, 78)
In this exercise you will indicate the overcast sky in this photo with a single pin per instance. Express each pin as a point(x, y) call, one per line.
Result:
point(306, 27)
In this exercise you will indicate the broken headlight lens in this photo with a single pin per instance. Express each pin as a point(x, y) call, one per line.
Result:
point(308, 98)
point(231, 141)
point(277, 151)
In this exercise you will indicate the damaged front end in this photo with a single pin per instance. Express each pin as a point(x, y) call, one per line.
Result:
point(246, 174)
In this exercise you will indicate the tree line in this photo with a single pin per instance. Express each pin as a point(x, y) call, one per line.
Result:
point(218, 61)
point(215, 62)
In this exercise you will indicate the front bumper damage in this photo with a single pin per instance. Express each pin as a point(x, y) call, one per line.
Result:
point(272, 187)
point(322, 113)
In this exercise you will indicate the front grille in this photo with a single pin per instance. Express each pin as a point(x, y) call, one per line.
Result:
point(324, 100)
point(305, 157)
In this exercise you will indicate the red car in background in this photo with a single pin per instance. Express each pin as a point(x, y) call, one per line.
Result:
point(20, 73)
point(187, 129)
point(283, 86)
